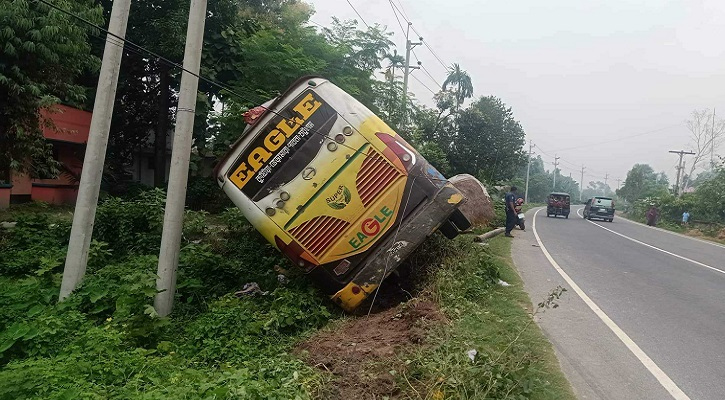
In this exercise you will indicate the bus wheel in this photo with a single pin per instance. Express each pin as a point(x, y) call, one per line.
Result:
point(460, 221)
point(448, 230)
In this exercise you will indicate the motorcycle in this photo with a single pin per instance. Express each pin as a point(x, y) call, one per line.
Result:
point(521, 217)
point(521, 223)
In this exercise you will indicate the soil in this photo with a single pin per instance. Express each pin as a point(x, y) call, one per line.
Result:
point(355, 351)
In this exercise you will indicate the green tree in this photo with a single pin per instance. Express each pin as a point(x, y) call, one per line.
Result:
point(460, 82)
point(597, 188)
point(710, 197)
point(43, 52)
point(488, 143)
point(642, 181)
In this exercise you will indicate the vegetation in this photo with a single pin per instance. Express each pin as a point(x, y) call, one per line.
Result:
point(44, 53)
point(541, 181)
point(513, 359)
point(106, 341)
point(706, 204)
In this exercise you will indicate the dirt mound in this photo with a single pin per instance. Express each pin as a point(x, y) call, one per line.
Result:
point(349, 350)
point(478, 207)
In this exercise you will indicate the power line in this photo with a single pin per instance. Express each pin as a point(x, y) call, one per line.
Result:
point(421, 82)
point(397, 18)
point(426, 70)
point(395, 8)
point(405, 14)
point(358, 14)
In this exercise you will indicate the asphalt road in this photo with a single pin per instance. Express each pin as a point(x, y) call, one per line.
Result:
point(644, 312)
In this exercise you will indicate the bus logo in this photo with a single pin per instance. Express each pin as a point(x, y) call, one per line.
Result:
point(371, 228)
point(340, 199)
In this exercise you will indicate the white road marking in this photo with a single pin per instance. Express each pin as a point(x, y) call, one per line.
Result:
point(655, 370)
point(658, 249)
point(674, 233)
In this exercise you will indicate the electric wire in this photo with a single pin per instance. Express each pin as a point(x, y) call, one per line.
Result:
point(358, 14)
point(425, 70)
point(405, 34)
point(395, 8)
point(423, 84)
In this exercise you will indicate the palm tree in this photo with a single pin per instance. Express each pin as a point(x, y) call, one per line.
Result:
point(460, 81)
point(394, 61)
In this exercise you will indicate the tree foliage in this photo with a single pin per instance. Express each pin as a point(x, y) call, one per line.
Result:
point(642, 181)
point(43, 52)
point(488, 142)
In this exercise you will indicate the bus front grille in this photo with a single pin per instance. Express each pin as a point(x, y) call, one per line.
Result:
point(374, 176)
point(318, 233)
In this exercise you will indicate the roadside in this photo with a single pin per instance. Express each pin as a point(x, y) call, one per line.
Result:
point(693, 231)
point(466, 335)
point(287, 341)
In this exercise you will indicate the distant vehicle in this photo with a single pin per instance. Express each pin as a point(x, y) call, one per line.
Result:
point(558, 203)
point(599, 207)
point(335, 189)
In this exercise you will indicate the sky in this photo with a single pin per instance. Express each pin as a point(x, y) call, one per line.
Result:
point(604, 84)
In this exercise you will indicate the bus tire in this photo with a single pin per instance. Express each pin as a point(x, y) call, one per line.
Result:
point(448, 230)
point(460, 221)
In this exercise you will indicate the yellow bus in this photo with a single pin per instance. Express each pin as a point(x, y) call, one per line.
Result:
point(335, 189)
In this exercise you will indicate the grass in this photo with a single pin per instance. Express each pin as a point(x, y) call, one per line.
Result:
point(514, 360)
point(60, 212)
point(700, 231)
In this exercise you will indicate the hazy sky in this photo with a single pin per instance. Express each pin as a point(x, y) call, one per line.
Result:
point(576, 72)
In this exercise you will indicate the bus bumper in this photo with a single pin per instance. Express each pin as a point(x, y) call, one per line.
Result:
point(398, 246)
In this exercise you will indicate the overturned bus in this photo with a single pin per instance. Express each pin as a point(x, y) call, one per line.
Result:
point(335, 189)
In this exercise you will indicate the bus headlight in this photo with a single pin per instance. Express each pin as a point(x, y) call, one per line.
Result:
point(332, 146)
point(270, 211)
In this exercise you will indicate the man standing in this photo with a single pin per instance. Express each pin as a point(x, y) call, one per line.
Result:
point(511, 215)
point(685, 218)
point(652, 215)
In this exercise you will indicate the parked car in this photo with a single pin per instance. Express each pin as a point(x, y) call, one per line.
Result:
point(599, 207)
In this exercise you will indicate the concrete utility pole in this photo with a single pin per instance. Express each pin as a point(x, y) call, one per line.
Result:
point(680, 167)
point(556, 164)
point(581, 189)
point(528, 168)
point(180, 154)
point(85, 211)
point(618, 180)
point(408, 47)
point(606, 178)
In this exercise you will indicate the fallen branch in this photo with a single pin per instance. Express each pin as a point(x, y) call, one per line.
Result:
point(489, 235)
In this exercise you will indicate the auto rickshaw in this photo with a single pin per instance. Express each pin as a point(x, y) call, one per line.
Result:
point(558, 203)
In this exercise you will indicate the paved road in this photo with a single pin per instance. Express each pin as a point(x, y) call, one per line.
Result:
point(644, 314)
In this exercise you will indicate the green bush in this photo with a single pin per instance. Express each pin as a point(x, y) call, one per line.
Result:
point(203, 193)
point(106, 340)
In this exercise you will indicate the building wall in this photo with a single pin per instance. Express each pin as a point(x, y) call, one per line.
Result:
point(67, 129)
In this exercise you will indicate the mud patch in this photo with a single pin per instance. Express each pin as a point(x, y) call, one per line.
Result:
point(354, 351)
